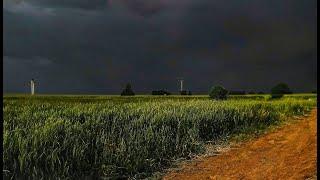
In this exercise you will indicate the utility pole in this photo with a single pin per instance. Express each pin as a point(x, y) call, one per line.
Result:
point(181, 84)
point(32, 84)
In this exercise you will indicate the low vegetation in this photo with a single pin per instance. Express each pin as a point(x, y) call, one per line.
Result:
point(121, 137)
point(161, 92)
point(185, 92)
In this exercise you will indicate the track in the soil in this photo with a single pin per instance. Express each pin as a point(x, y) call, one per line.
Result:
point(287, 153)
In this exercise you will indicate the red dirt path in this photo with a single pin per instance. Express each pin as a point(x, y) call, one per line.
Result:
point(287, 153)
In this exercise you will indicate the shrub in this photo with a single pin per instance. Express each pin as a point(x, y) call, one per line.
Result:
point(190, 93)
point(161, 92)
point(251, 92)
point(127, 91)
point(218, 93)
point(276, 96)
point(184, 92)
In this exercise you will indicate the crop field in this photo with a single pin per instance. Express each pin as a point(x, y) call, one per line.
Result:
point(126, 137)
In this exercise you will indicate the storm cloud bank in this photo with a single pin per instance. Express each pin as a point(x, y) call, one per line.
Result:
point(95, 48)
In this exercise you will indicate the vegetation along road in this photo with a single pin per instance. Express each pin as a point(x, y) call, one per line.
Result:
point(287, 153)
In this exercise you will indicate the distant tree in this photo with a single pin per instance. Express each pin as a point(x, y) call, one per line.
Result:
point(279, 90)
point(127, 91)
point(218, 93)
point(260, 92)
point(190, 93)
point(314, 92)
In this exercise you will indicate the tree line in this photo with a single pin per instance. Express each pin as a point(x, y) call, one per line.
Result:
point(219, 92)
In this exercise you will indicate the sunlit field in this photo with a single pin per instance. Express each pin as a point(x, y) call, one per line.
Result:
point(121, 137)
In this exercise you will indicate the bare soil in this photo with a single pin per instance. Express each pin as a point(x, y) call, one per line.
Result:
point(289, 152)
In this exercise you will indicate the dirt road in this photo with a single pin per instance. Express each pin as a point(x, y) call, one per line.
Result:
point(287, 153)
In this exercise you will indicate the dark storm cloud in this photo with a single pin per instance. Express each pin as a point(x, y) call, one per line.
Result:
point(76, 47)
point(82, 4)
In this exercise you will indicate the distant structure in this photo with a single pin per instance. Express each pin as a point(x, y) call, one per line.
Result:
point(181, 84)
point(32, 84)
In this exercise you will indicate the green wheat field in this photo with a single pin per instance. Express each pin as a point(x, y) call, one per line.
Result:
point(113, 137)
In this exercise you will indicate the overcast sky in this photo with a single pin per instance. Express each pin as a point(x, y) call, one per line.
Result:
point(97, 46)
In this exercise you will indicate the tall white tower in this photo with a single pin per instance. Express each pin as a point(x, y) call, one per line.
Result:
point(181, 83)
point(32, 84)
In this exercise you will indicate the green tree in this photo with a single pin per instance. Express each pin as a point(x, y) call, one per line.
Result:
point(218, 93)
point(279, 90)
point(127, 91)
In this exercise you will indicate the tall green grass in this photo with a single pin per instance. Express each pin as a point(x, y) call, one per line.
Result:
point(123, 137)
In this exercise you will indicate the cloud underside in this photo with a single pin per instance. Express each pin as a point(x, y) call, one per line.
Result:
point(74, 47)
